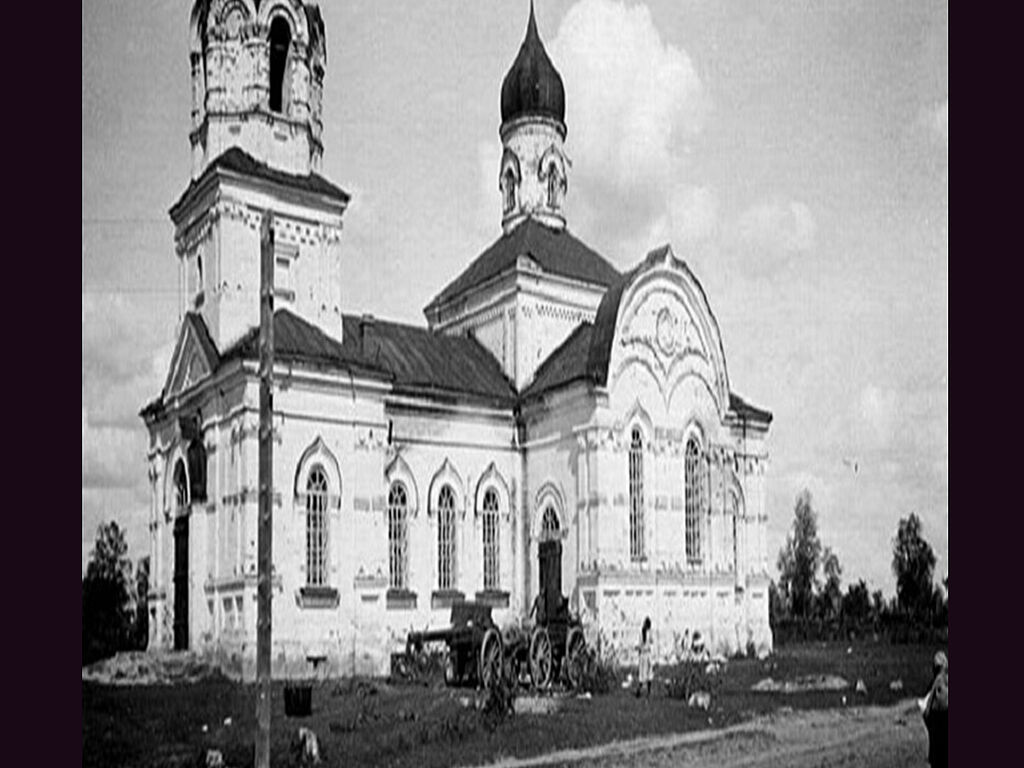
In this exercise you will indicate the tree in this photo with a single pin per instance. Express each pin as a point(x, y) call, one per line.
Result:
point(777, 608)
point(140, 631)
point(877, 605)
point(832, 595)
point(107, 614)
point(799, 558)
point(913, 562)
point(857, 603)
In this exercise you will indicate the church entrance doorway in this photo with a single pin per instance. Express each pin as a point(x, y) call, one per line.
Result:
point(550, 562)
point(181, 583)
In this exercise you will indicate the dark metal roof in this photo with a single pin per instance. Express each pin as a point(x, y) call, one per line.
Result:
point(555, 251)
point(413, 358)
point(297, 340)
point(566, 364)
point(747, 411)
point(425, 362)
point(239, 161)
point(533, 85)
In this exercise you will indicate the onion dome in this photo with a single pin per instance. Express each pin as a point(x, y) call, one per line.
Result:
point(533, 85)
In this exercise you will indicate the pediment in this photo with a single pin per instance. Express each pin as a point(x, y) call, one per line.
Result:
point(194, 359)
point(666, 326)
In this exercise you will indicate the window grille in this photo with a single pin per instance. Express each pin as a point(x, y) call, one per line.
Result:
point(549, 525)
point(316, 527)
point(446, 538)
point(636, 496)
point(695, 501)
point(491, 548)
point(398, 535)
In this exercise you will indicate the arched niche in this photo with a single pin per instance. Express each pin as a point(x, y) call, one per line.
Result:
point(492, 478)
point(446, 475)
point(397, 470)
point(549, 496)
point(317, 453)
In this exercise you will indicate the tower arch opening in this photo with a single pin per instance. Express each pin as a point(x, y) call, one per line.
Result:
point(280, 45)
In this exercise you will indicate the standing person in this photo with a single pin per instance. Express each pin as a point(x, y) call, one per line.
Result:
point(646, 672)
point(936, 713)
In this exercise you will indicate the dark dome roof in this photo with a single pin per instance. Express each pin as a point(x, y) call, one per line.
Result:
point(533, 85)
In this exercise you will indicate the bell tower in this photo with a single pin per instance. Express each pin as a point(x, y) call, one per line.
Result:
point(533, 177)
point(257, 80)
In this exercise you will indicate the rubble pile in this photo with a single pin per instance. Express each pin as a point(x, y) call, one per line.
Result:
point(142, 668)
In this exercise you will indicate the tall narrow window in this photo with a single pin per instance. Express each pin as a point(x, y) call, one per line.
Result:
point(636, 496)
point(553, 186)
point(446, 538)
point(280, 43)
point(508, 189)
point(549, 525)
point(694, 488)
point(180, 488)
point(398, 535)
point(316, 528)
point(491, 546)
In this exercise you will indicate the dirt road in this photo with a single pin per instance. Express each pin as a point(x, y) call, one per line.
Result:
point(868, 737)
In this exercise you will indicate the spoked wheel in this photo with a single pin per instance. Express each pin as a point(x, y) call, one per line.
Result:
point(575, 657)
point(490, 659)
point(540, 658)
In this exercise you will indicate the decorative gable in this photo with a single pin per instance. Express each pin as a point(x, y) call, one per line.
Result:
point(666, 326)
point(195, 357)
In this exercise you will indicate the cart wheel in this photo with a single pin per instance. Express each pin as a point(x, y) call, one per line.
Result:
point(540, 658)
point(490, 659)
point(575, 648)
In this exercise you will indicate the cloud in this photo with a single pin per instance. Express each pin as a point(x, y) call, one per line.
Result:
point(771, 233)
point(113, 457)
point(634, 103)
point(877, 411)
point(942, 122)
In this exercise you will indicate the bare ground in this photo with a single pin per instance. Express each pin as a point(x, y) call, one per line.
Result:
point(868, 737)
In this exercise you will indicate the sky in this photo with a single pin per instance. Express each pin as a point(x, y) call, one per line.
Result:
point(794, 154)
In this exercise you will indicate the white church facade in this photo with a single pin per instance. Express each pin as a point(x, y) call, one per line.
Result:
point(549, 396)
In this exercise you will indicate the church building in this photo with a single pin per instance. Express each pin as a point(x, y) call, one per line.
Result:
point(548, 397)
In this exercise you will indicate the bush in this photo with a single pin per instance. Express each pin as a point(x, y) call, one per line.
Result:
point(499, 701)
point(690, 677)
point(599, 672)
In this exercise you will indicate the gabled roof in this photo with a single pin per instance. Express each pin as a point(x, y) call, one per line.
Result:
point(421, 361)
point(298, 340)
point(240, 162)
point(555, 251)
point(415, 360)
point(566, 364)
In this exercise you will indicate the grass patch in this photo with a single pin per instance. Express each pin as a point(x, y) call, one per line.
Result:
point(423, 724)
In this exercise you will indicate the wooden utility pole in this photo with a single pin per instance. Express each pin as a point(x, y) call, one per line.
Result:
point(264, 556)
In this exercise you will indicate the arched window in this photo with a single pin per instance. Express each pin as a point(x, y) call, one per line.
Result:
point(553, 186)
point(180, 488)
point(491, 546)
point(316, 527)
point(695, 502)
point(636, 496)
point(508, 188)
point(398, 535)
point(549, 525)
point(446, 538)
point(280, 44)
